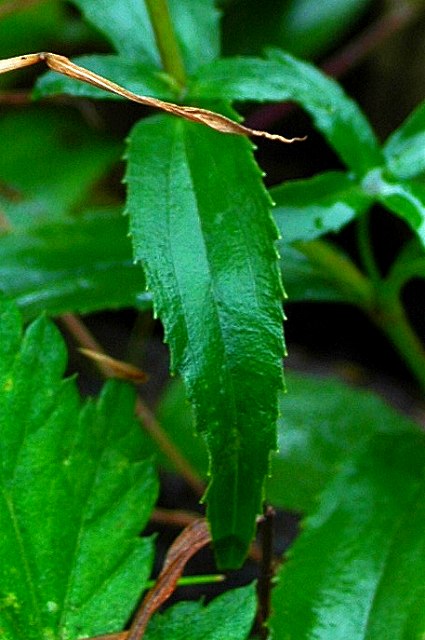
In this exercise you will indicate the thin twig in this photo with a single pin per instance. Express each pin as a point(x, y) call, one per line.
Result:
point(173, 517)
point(264, 585)
point(85, 339)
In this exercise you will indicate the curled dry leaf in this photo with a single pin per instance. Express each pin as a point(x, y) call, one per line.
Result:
point(116, 368)
point(208, 118)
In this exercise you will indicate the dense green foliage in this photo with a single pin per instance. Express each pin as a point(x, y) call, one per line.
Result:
point(201, 246)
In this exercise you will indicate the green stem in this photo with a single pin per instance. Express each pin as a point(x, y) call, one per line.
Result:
point(365, 248)
point(166, 40)
point(391, 318)
point(340, 270)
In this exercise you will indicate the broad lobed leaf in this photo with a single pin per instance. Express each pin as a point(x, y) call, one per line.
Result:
point(78, 264)
point(75, 489)
point(228, 617)
point(201, 227)
point(357, 570)
point(283, 77)
point(307, 209)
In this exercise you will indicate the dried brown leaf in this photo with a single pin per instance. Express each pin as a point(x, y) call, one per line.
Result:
point(211, 119)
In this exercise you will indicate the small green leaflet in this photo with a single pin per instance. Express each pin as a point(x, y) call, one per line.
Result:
point(201, 226)
point(75, 492)
point(405, 148)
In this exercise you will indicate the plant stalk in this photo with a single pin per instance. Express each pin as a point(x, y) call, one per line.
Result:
point(169, 48)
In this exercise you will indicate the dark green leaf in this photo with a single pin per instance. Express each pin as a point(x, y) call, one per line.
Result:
point(202, 228)
point(324, 423)
point(228, 617)
point(75, 492)
point(127, 26)
point(79, 264)
point(402, 197)
point(307, 209)
point(52, 160)
point(358, 569)
point(405, 148)
point(134, 76)
point(283, 77)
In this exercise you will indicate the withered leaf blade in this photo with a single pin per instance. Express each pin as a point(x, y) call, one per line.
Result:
point(211, 119)
point(116, 368)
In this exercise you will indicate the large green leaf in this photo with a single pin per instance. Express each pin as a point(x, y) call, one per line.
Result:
point(283, 77)
point(134, 76)
point(307, 209)
point(52, 160)
point(358, 569)
point(75, 491)
point(228, 617)
point(405, 148)
point(201, 226)
point(403, 197)
point(127, 26)
point(324, 423)
point(79, 264)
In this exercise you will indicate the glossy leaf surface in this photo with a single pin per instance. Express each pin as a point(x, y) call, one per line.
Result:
point(201, 226)
point(405, 148)
point(134, 76)
point(62, 158)
point(78, 264)
point(228, 617)
point(76, 490)
point(324, 423)
point(307, 209)
point(283, 77)
point(357, 570)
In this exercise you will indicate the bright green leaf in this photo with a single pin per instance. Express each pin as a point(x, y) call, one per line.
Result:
point(75, 493)
point(282, 77)
point(78, 264)
point(324, 423)
point(228, 617)
point(405, 148)
point(201, 226)
point(134, 76)
point(358, 569)
point(52, 160)
point(307, 209)
point(402, 197)
point(127, 26)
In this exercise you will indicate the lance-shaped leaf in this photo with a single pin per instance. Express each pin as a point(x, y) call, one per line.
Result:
point(405, 148)
point(307, 209)
point(80, 263)
point(127, 26)
point(403, 197)
point(283, 77)
point(75, 491)
point(201, 226)
point(358, 569)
